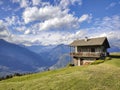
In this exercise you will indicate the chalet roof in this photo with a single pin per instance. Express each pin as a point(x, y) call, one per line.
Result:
point(91, 42)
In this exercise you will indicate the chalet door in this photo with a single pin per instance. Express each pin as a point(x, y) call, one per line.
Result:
point(81, 61)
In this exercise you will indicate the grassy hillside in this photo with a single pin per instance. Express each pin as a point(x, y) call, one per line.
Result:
point(105, 76)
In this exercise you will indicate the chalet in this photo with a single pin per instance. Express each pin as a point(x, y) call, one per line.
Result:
point(88, 50)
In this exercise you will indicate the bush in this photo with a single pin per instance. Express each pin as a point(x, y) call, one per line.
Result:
point(8, 76)
point(70, 65)
point(108, 58)
point(2, 78)
point(97, 62)
point(17, 74)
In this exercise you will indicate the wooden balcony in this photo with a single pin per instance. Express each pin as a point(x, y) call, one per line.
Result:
point(86, 54)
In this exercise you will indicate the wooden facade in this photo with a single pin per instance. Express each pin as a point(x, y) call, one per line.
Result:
point(87, 50)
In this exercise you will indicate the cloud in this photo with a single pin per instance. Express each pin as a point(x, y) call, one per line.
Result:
point(107, 26)
point(11, 20)
point(15, 1)
point(109, 23)
point(66, 22)
point(3, 30)
point(21, 28)
point(47, 38)
point(44, 13)
point(66, 3)
point(6, 8)
point(2, 27)
point(33, 13)
point(111, 5)
point(27, 31)
point(85, 17)
point(15, 23)
point(79, 2)
point(36, 2)
point(53, 17)
point(45, 23)
point(22, 3)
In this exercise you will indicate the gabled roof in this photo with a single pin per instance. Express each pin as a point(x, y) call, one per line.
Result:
point(91, 42)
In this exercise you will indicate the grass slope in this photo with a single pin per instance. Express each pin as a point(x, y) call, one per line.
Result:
point(105, 76)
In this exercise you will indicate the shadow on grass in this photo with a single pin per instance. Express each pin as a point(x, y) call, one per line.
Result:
point(115, 56)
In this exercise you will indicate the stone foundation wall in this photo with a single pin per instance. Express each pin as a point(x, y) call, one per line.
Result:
point(87, 62)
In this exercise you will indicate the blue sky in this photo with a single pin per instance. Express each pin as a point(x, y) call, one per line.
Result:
point(53, 22)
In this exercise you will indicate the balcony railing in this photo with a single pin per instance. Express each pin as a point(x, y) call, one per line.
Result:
point(86, 54)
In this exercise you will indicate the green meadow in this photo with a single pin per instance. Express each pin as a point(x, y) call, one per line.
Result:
point(103, 76)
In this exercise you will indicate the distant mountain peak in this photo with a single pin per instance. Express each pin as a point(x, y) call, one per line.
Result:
point(17, 58)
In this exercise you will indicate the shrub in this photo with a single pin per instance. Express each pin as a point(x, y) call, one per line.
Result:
point(17, 74)
point(108, 58)
point(70, 65)
point(97, 62)
point(8, 76)
point(2, 78)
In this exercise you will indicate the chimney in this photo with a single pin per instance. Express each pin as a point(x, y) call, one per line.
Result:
point(86, 39)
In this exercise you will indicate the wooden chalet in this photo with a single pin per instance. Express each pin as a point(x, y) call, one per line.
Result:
point(87, 50)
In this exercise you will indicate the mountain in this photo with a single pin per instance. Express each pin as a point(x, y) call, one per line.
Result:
point(62, 61)
point(40, 48)
point(58, 56)
point(14, 58)
point(55, 56)
point(114, 49)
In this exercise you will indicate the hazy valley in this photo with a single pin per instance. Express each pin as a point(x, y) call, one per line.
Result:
point(15, 58)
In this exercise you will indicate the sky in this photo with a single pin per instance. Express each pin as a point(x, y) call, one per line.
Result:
point(54, 22)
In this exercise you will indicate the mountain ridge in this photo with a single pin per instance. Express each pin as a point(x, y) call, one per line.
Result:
point(18, 58)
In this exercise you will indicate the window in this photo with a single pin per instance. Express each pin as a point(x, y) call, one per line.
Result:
point(79, 49)
point(85, 50)
point(92, 49)
point(98, 49)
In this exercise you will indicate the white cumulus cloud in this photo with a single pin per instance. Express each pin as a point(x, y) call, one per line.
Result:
point(64, 26)
point(53, 17)
point(27, 31)
point(36, 2)
point(34, 13)
point(67, 22)
point(3, 30)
